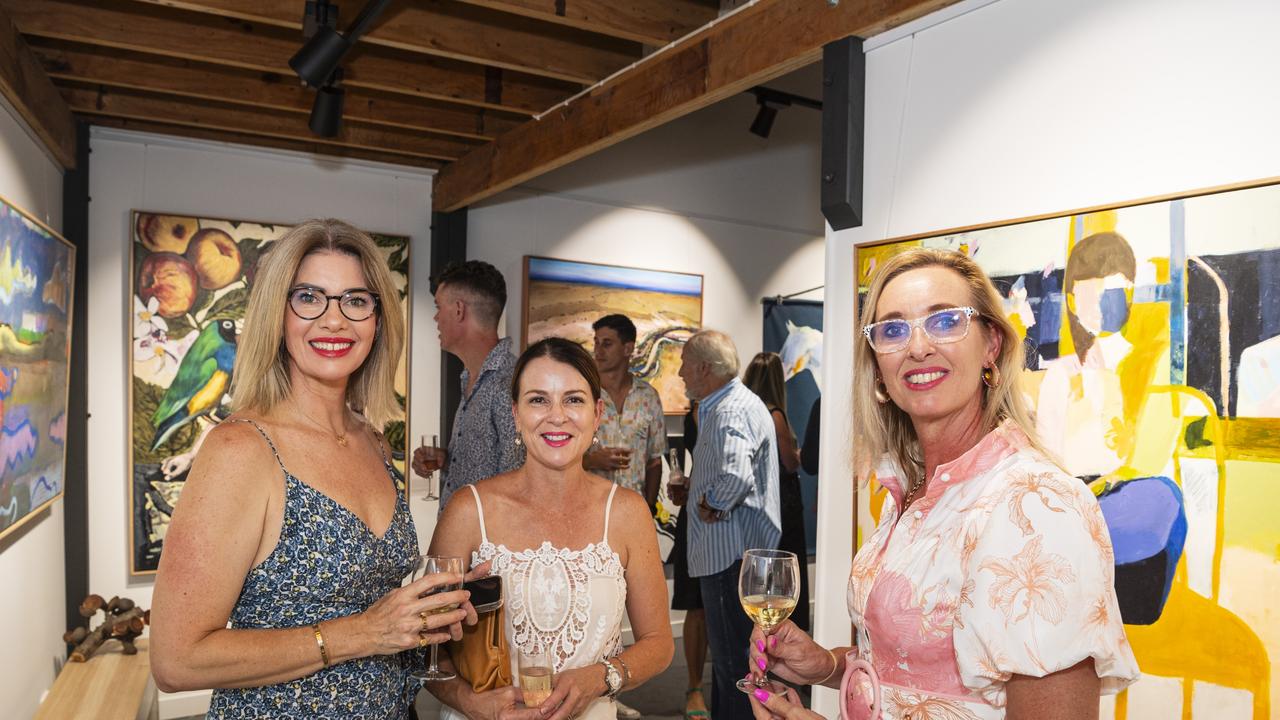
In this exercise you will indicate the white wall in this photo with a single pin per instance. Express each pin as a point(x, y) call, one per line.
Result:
point(1023, 107)
point(131, 171)
point(31, 557)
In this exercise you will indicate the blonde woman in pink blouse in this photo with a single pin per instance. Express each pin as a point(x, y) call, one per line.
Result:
point(986, 591)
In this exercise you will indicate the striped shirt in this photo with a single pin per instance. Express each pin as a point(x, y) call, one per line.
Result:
point(483, 443)
point(735, 467)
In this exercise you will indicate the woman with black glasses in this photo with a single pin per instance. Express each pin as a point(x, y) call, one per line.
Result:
point(293, 525)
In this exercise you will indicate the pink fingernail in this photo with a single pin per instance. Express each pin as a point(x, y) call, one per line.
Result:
point(773, 642)
point(760, 662)
point(760, 645)
point(761, 695)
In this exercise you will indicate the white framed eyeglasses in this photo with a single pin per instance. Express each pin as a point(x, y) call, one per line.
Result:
point(941, 326)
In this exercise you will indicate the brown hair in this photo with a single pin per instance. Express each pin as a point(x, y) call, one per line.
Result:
point(1097, 256)
point(764, 378)
point(261, 375)
point(563, 351)
point(887, 430)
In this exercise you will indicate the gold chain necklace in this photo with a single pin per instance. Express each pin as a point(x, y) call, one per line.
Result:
point(915, 488)
point(341, 438)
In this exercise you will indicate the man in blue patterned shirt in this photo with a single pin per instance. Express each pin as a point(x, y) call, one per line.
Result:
point(469, 300)
point(733, 495)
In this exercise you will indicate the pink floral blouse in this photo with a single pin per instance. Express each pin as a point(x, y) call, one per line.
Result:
point(1004, 566)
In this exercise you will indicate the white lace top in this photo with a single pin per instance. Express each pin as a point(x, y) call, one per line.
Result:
point(567, 601)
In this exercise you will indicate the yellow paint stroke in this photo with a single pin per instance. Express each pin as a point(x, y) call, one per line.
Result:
point(870, 258)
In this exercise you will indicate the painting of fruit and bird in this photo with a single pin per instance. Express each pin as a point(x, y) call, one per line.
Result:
point(191, 279)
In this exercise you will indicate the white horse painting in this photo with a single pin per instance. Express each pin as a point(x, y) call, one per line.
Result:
point(802, 351)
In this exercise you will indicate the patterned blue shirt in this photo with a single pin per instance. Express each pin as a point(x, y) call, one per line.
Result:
point(735, 467)
point(483, 443)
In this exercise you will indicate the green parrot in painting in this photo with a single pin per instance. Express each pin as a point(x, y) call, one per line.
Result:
point(203, 378)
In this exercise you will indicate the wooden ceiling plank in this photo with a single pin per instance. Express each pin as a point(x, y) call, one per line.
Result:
point(149, 29)
point(753, 46)
point(652, 22)
point(335, 152)
point(143, 106)
point(449, 30)
point(30, 91)
point(185, 78)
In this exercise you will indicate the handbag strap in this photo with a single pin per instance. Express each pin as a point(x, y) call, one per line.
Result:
point(484, 536)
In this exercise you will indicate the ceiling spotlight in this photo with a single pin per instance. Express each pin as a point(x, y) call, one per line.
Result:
point(326, 112)
point(770, 101)
point(320, 56)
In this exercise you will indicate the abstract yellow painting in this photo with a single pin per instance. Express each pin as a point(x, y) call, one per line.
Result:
point(1152, 336)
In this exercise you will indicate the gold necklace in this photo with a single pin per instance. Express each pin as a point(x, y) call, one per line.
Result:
point(341, 438)
point(915, 488)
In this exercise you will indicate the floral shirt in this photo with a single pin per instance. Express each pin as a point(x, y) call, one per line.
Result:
point(483, 443)
point(1004, 566)
point(640, 426)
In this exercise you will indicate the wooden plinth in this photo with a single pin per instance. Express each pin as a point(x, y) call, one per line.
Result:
point(110, 686)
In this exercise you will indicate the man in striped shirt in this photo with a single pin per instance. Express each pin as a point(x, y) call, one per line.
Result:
point(733, 496)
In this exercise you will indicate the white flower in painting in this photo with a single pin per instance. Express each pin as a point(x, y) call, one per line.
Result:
point(155, 351)
point(146, 318)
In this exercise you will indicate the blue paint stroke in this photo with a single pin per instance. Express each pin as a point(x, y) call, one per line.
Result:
point(1115, 309)
point(566, 271)
point(1147, 521)
point(18, 445)
point(1178, 293)
point(8, 381)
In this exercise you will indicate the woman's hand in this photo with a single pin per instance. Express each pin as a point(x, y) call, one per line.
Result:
point(505, 703)
point(404, 618)
point(767, 704)
point(790, 654)
point(573, 691)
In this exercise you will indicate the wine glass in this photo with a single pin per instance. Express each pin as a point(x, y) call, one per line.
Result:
point(430, 565)
point(536, 675)
point(433, 492)
point(769, 587)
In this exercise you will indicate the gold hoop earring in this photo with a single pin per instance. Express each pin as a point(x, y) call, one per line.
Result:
point(882, 392)
point(991, 376)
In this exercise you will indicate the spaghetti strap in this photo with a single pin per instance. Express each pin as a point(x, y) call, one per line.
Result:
point(266, 437)
point(484, 536)
point(608, 508)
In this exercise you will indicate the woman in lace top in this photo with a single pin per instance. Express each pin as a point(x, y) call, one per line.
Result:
point(573, 550)
point(987, 590)
point(293, 525)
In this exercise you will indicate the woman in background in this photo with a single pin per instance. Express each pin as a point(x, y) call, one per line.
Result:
point(306, 567)
point(764, 377)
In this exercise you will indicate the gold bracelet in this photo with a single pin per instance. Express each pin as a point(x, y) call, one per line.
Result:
point(835, 665)
point(324, 654)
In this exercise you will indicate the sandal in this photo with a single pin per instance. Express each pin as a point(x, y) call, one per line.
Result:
point(695, 714)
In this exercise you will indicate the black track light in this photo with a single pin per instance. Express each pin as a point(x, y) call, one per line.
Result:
point(326, 112)
point(322, 53)
point(769, 101)
point(763, 124)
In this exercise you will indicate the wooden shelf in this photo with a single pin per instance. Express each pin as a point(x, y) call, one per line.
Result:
point(110, 686)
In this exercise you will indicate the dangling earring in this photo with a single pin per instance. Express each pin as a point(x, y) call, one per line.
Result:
point(991, 376)
point(595, 441)
point(519, 441)
point(882, 392)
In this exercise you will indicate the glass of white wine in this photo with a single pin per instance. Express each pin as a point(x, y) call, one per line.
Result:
point(536, 675)
point(431, 565)
point(768, 586)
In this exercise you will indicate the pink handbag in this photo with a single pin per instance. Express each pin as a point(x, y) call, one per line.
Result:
point(860, 679)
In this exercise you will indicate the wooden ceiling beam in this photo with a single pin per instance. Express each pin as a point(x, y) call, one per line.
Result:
point(652, 22)
point(30, 91)
point(454, 31)
point(336, 152)
point(234, 43)
point(135, 105)
point(186, 78)
point(755, 45)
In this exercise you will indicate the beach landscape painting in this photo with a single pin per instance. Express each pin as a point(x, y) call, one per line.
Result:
point(36, 267)
point(564, 297)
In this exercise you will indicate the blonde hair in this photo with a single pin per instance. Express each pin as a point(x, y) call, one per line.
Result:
point(716, 349)
point(764, 377)
point(887, 430)
point(260, 380)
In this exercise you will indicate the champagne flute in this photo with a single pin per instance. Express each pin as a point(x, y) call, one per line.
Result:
point(536, 676)
point(430, 565)
point(433, 492)
point(769, 587)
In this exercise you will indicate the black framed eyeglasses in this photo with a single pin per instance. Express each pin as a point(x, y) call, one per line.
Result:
point(941, 326)
point(309, 303)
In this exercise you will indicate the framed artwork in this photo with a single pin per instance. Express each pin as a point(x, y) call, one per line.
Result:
point(563, 297)
point(190, 284)
point(36, 284)
point(1152, 336)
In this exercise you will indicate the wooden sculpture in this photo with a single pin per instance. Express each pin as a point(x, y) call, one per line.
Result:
point(124, 622)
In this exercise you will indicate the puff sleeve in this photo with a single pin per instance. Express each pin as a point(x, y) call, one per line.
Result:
point(1038, 594)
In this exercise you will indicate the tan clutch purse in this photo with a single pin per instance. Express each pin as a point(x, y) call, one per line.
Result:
point(482, 657)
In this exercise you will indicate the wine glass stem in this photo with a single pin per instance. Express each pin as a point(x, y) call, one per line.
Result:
point(763, 680)
point(435, 668)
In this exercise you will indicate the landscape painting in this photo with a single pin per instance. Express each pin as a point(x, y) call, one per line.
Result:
point(190, 284)
point(564, 298)
point(36, 267)
point(1153, 365)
